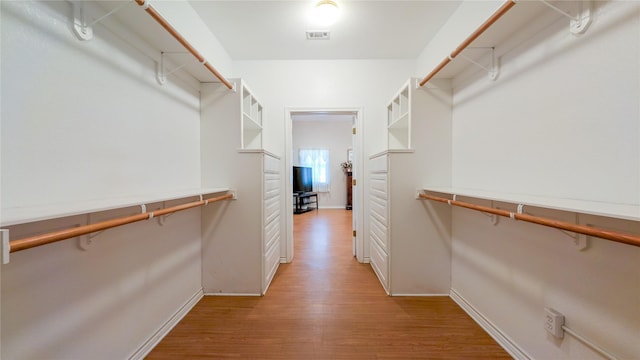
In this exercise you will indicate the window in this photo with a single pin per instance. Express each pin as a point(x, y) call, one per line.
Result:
point(318, 160)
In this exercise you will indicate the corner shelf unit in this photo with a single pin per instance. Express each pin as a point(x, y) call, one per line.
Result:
point(399, 119)
point(234, 117)
point(406, 252)
point(231, 153)
point(251, 120)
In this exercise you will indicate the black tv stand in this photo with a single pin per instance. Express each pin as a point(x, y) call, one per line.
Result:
point(303, 202)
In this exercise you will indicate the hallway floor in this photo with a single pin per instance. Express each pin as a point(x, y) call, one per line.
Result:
point(326, 305)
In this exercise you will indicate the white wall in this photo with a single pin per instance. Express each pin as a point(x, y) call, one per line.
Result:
point(512, 271)
point(59, 302)
point(325, 84)
point(562, 120)
point(82, 121)
point(546, 115)
point(337, 138)
point(91, 106)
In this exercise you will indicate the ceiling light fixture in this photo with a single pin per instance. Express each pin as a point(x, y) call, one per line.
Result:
point(326, 12)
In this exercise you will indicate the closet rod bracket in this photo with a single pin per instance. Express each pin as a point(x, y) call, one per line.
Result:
point(86, 241)
point(580, 241)
point(492, 70)
point(493, 217)
point(162, 219)
point(161, 73)
point(579, 23)
point(80, 27)
point(6, 249)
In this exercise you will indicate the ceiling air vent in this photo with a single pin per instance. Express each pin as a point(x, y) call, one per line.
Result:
point(318, 35)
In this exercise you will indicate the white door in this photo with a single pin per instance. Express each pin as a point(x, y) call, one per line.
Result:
point(352, 157)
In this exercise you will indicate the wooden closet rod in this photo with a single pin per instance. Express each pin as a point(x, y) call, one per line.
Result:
point(43, 239)
point(587, 230)
point(160, 20)
point(487, 24)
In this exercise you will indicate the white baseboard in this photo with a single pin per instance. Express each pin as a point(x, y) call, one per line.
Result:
point(155, 339)
point(424, 295)
point(231, 294)
point(500, 337)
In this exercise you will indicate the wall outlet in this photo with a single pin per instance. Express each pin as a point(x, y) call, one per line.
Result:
point(553, 322)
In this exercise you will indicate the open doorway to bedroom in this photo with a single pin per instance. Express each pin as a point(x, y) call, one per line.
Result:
point(322, 161)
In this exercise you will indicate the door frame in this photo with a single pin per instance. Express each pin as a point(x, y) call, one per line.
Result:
point(287, 251)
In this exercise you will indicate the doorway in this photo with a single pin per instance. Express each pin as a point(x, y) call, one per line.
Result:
point(354, 116)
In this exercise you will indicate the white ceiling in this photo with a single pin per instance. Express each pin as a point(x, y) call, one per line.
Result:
point(366, 29)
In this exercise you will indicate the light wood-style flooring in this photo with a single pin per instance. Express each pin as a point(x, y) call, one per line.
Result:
point(326, 305)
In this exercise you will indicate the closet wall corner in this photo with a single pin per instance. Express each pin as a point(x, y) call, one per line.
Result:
point(411, 256)
point(241, 245)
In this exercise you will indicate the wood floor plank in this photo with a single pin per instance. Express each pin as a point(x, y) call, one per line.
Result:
point(325, 305)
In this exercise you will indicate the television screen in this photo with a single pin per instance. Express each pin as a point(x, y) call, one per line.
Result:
point(302, 181)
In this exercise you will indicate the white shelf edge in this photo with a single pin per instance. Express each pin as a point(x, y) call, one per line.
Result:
point(258, 151)
point(391, 151)
point(250, 124)
point(24, 215)
point(612, 210)
point(402, 122)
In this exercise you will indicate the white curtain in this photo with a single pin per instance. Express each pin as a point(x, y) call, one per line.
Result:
point(318, 160)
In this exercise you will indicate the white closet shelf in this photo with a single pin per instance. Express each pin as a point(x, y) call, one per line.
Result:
point(156, 38)
point(523, 13)
point(23, 215)
point(612, 210)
